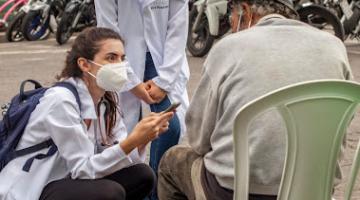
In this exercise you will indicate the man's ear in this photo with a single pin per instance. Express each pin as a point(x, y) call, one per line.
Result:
point(83, 64)
point(246, 12)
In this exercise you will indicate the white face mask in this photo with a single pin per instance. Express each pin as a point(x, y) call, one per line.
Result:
point(111, 77)
point(239, 20)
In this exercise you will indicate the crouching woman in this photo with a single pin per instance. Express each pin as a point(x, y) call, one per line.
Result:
point(96, 159)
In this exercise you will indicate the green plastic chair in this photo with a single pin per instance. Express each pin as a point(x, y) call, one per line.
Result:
point(353, 173)
point(316, 115)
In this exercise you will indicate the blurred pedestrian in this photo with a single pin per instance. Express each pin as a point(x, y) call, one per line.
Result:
point(155, 34)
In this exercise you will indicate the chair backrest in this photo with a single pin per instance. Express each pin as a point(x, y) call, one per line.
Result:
point(353, 174)
point(316, 114)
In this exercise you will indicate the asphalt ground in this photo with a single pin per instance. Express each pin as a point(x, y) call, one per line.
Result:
point(43, 60)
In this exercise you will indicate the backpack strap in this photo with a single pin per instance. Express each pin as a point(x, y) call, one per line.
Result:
point(30, 150)
point(22, 87)
point(48, 143)
point(53, 149)
point(72, 88)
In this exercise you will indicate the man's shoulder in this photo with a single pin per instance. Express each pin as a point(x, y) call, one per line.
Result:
point(273, 29)
point(232, 38)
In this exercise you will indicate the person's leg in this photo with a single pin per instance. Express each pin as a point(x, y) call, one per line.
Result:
point(179, 175)
point(172, 135)
point(138, 180)
point(214, 191)
point(169, 138)
point(69, 189)
point(166, 140)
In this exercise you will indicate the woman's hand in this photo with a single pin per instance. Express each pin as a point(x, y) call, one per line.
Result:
point(146, 130)
point(141, 148)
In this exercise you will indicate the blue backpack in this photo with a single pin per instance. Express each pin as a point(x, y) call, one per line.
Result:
point(15, 120)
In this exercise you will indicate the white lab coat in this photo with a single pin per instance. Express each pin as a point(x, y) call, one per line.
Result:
point(155, 26)
point(58, 117)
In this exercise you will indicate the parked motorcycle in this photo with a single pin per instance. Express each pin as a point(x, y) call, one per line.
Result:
point(38, 21)
point(317, 14)
point(78, 15)
point(208, 20)
point(14, 31)
point(10, 7)
point(348, 11)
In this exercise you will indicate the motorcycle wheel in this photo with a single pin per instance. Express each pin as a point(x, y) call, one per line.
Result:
point(13, 33)
point(64, 30)
point(199, 43)
point(319, 17)
point(34, 27)
point(224, 28)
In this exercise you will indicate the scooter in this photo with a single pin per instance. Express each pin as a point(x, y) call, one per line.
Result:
point(14, 30)
point(78, 15)
point(319, 15)
point(43, 15)
point(13, 7)
point(208, 20)
point(348, 12)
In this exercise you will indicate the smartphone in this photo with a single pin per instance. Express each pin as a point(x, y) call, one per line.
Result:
point(172, 107)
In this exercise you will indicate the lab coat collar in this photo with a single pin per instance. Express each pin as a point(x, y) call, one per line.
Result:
point(87, 105)
point(265, 18)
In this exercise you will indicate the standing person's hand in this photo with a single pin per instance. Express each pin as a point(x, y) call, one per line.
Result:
point(146, 130)
point(140, 92)
point(155, 91)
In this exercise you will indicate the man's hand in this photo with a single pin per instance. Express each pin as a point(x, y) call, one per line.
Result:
point(140, 92)
point(155, 91)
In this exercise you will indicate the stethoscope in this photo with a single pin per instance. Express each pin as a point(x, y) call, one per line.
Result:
point(103, 136)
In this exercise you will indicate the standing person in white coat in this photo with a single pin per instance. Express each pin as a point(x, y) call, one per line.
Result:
point(95, 159)
point(155, 34)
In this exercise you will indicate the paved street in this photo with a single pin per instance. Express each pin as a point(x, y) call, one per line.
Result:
point(43, 60)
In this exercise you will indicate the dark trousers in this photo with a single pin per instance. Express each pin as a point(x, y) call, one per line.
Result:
point(133, 183)
point(172, 135)
point(182, 176)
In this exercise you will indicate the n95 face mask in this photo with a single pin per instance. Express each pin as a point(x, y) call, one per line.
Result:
point(111, 77)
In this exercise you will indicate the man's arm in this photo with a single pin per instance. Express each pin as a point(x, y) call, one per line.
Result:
point(201, 115)
point(107, 14)
point(211, 111)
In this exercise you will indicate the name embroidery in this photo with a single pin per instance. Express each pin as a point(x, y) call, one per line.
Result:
point(159, 5)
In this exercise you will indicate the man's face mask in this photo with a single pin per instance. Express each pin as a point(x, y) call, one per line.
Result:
point(111, 77)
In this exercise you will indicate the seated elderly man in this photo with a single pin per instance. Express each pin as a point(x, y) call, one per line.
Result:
point(272, 51)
